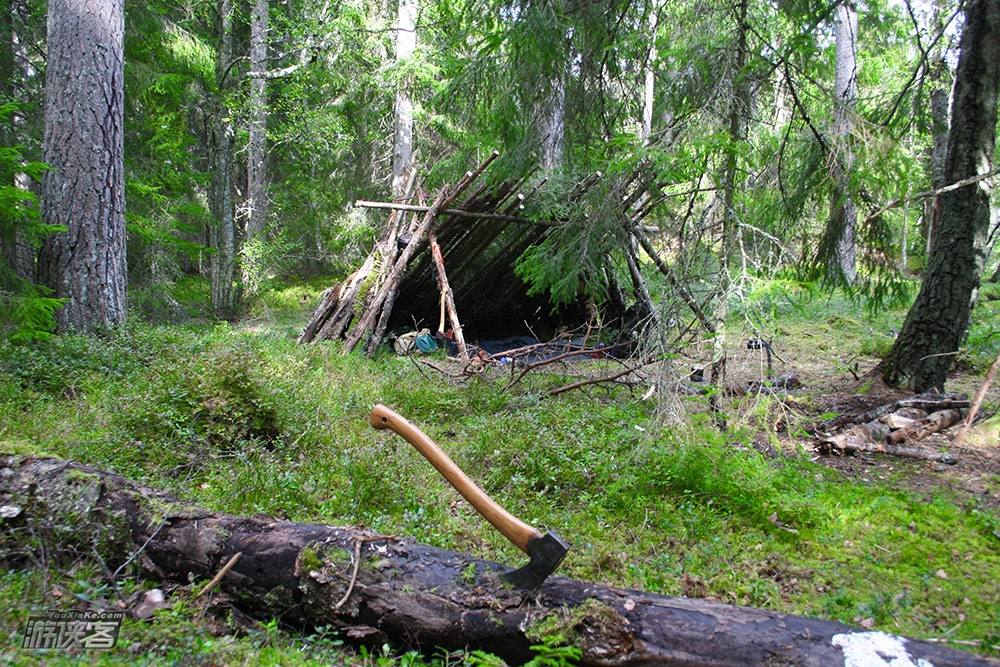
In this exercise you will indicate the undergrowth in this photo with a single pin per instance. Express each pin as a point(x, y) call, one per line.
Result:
point(243, 420)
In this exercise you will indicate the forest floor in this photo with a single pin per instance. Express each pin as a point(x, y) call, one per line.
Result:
point(837, 380)
point(651, 494)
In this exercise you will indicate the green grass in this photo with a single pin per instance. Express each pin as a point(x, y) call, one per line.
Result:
point(243, 420)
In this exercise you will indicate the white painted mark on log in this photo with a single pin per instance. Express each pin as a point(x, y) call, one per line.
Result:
point(876, 649)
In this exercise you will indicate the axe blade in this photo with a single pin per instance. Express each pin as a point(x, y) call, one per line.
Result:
point(545, 553)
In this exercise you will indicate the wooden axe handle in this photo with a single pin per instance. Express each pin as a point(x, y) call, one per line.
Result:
point(509, 525)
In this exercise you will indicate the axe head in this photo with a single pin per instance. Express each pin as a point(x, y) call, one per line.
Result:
point(545, 552)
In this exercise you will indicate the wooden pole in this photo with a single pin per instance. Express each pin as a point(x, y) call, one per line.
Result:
point(447, 295)
point(668, 273)
point(391, 283)
point(976, 402)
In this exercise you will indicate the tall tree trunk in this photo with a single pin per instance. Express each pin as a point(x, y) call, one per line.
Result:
point(222, 233)
point(84, 145)
point(739, 112)
point(550, 112)
point(255, 207)
point(937, 322)
point(256, 218)
point(782, 108)
point(940, 97)
point(11, 238)
point(17, 247)
point(402, 149)
point(552, 124)
point(649, 84)
point(840, 244)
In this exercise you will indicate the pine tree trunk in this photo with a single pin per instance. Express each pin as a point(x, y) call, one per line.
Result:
point(84, 145)
point(938, 321)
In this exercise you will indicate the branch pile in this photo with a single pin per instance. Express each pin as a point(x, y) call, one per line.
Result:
point(888, 428)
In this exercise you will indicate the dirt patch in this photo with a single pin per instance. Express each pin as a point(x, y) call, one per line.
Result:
point(973, 481)
point(839, 386)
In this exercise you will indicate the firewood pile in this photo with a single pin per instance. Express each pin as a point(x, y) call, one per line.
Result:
point(891, 427)
point(457, 255)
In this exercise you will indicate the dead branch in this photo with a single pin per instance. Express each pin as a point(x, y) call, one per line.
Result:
point(597, 380)
point(977, 401)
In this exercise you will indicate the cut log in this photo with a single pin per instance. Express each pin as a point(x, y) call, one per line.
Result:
point(936, 421)
point(858, 438)
point(414, 596)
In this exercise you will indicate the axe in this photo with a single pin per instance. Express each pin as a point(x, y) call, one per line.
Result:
point(545, 551)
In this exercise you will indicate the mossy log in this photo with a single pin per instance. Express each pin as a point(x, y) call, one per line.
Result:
point(416, 596)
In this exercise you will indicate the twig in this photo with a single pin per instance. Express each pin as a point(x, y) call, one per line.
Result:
point(358, 541)
point(977, 401)
point(217, 578)
point(610, 378)
point(545, 362)
point(932, 193)
point(137, 551)
point(416, 365)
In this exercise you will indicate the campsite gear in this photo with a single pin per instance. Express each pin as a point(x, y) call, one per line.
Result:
point(425, 341)
point(413, 341)
point(546, 551)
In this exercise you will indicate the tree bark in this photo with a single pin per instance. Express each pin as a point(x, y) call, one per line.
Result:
point(84, 145)
point(649, 79)
point(739, 112)
point(402, 149)
point(256, 206)
point(839, 246)
point(222, 233)
point(938, 321)
point(940, 82)
point(415, 596)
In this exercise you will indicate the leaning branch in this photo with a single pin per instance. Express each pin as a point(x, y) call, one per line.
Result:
point(462, 213)
point(933, 193)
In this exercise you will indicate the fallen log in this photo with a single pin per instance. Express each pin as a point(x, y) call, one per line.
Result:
point(381, 589)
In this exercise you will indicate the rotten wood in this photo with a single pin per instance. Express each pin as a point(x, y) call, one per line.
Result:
point(419, 597)
point(908, 452)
